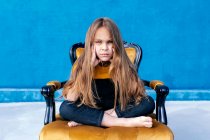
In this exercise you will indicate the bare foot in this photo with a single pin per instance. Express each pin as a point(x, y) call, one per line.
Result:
point(73, 124)
point(141, 121)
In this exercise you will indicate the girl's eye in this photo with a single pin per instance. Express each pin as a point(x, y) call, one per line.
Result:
point(98, 42)
point(110, 42)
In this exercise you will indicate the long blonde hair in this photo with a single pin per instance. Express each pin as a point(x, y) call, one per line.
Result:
point(122, 72)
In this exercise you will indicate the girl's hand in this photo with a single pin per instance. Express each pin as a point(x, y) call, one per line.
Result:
point(94, 60)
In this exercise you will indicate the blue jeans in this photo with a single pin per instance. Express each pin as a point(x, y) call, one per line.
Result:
point(92, 116)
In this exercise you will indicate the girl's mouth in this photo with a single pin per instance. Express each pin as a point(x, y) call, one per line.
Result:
point(104, 54)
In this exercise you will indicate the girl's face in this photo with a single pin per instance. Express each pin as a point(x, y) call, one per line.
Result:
point(103, 44)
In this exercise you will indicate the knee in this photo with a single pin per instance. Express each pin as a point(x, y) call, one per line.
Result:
point(149, 103)
point(67, 110)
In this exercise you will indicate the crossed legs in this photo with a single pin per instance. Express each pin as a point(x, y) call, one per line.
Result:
point(132, 116)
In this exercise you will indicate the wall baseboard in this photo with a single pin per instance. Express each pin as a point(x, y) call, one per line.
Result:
point(34, 95)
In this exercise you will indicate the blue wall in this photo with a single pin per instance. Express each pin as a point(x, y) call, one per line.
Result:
point(35, 37)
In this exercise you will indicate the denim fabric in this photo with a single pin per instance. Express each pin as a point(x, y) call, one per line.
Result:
point(145, 107)
point(81, 114)
point(92, 116)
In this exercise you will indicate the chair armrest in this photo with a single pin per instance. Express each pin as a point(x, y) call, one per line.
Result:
point(48, 92)
point(56, 84)
point(161, 93)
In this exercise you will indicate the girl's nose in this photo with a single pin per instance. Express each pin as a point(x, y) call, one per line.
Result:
point(104, 46)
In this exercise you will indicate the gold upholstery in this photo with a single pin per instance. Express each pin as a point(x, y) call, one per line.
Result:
point(79, 51)
point(59, 130)
point(131, 52)
point(155, 83)
point(101, 72)
point(56, 84)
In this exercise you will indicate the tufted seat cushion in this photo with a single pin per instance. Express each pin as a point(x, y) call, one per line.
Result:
point(59, 130)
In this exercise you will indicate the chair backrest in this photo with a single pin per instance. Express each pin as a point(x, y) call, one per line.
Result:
point(133, 51)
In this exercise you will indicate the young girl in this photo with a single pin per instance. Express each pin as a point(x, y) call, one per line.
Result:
point(104, 88)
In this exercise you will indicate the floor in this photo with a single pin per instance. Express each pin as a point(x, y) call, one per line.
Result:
point(187, 119)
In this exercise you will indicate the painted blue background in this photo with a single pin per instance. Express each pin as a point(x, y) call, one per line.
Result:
point(35, 36)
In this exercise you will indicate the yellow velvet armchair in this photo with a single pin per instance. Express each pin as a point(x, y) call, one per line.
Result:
point(55, 128)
